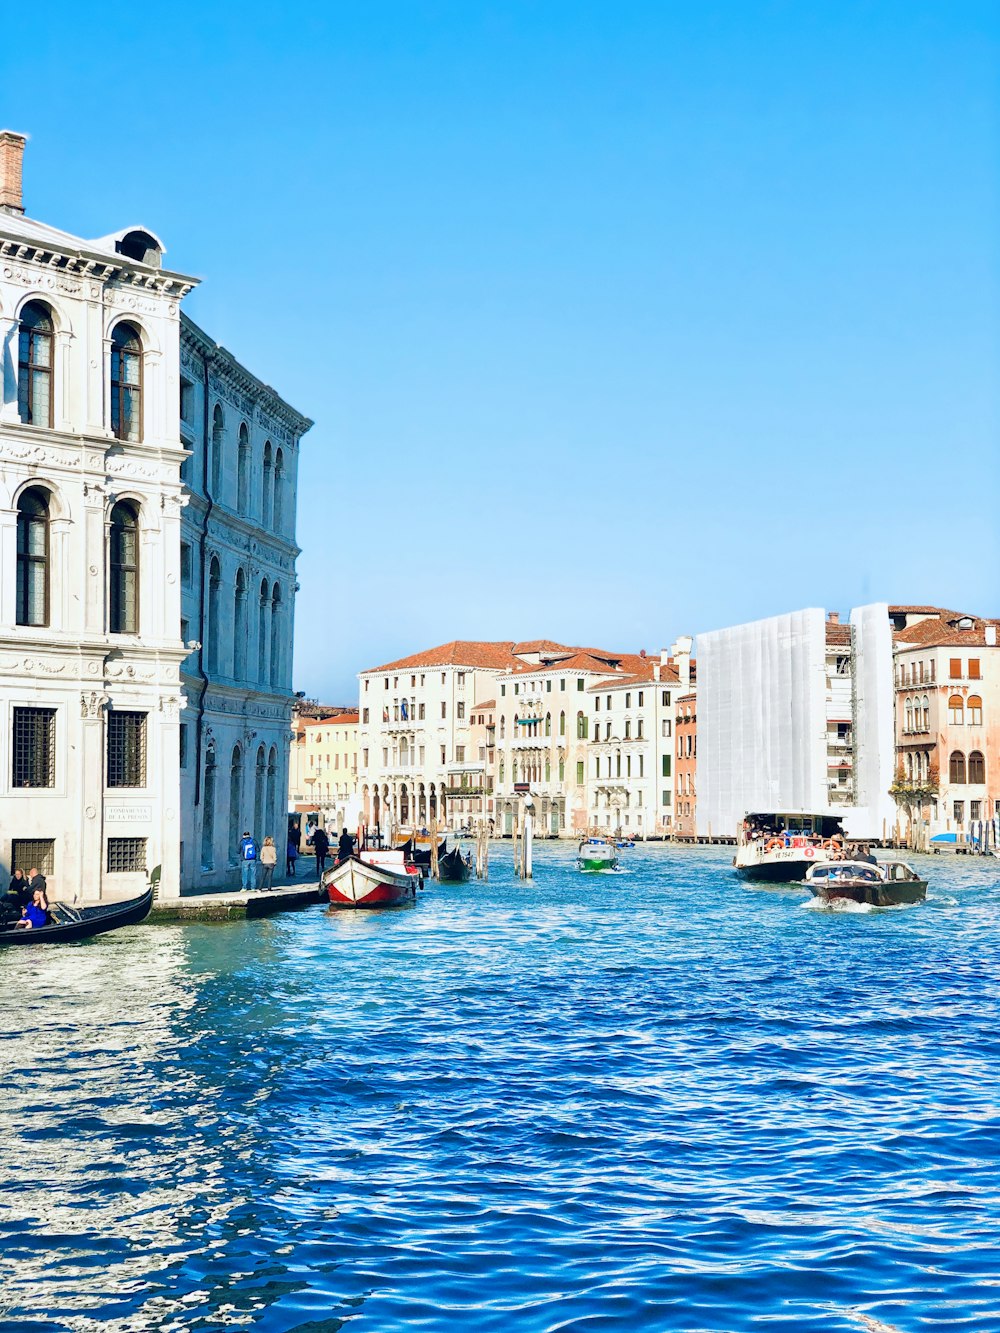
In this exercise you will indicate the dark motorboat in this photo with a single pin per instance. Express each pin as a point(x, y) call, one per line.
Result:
point(453, 868)
point(420, 856)
point(79, 923)
point(887, 884)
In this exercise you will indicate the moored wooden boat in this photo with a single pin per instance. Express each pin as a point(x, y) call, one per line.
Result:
point(80, 923)
point(420, 856)
point(371, 879)
point(596, 854)
point(452, 867)
point(886, 884)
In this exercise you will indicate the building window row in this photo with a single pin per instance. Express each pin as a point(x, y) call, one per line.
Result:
point(33, 748)
point(973, 771)
point(963, 711)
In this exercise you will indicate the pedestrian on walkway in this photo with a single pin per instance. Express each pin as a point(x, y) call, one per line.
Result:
point(292, 852)
point(248, 861)
point(268, 860)
point(321, 846)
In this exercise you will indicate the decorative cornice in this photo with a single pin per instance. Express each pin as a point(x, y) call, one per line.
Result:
point(84, 263)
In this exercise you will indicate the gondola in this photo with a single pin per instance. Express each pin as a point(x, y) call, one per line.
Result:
point(420, 856)
point(452, 867)
point(79, 923)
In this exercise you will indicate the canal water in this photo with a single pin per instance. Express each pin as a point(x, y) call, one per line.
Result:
point(658, 1099)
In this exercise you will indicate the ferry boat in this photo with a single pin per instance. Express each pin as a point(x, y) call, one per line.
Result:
point(596, 854)
point(779, 847)
point(885, 884)
point(372, 878)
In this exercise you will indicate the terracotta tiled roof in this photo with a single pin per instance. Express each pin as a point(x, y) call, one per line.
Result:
point(934, 634)
point(639, 671)
point(460, 652)
point(838, 635)
point(342, 716)
point(541, 646)
point(943, 612)
point(485, 703)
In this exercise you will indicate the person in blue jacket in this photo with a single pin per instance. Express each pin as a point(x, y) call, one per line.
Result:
point(34, 915)
point(248, 861)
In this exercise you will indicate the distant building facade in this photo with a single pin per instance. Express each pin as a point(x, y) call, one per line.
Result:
point(323, 769)
point(237, 579)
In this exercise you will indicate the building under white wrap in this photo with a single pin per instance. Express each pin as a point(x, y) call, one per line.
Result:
point(796, 715)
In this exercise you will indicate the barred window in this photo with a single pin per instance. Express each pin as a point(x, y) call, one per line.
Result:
point(34, 748)
point(126, 855)
point(126, 749)
point(39, 853)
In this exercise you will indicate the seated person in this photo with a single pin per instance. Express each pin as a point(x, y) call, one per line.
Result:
point(345, 847)
point(36, 913)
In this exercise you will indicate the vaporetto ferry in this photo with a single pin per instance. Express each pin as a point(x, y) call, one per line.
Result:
point(779, 847)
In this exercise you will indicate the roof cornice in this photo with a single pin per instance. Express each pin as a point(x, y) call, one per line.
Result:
point(84, 262)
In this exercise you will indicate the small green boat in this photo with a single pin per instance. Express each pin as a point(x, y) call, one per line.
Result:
point(596, 854)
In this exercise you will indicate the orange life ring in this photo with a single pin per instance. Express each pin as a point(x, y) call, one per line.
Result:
point(774, 845)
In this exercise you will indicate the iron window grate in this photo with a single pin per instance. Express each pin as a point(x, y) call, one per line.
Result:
point(126, 749)
point(33, 752)
point(126, 855)
point(37, 852)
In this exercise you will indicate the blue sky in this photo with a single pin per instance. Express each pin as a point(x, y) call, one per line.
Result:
point(617, 321)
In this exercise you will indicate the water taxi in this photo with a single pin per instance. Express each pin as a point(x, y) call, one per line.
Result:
point(881, 884)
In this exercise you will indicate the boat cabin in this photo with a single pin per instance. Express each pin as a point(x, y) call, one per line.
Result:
point(793, 828)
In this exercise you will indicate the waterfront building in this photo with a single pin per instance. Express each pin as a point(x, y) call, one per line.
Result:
point(417, 737)
point(91, 506)
point(470, 793)
point(947, 689)
point(237, 559)
point(685, 825)
point(631, 778)
point(796, 714)
point(323, 769)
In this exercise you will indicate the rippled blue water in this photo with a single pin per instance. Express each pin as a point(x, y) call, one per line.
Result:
point(659, 1099)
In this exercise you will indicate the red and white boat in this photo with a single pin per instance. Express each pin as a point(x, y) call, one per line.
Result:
point(372, 879)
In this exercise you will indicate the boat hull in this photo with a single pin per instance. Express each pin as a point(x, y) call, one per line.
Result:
point(587, 860)
point(452, 868)
point(355, 883)
point(775, 872)
point(86, 922)
point(874, 895)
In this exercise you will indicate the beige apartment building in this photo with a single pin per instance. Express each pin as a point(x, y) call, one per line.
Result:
point(323, 769)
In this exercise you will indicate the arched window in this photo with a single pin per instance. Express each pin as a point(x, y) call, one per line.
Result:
point(279, 490)
point(34, 365)
point(500, 773)
point(956, 766)
point(214, 585)
point(977, 768)
point(909, 767)
point(262, 657)
point(974, 704)
point(628, 729)
point(123, 565)
point(562, 724)
point(236, 824)
point(218, 431)
point(271, 812)
point(126, 382)
point(909, 715)
point(243, 471)
point(266, 487)
point(208, 812)
point(581, 727)
point(276, 636)
point(502, 726)
point(260, 772)
point(33, 557)
point(956, 710)
point(926, 709)
point(548, 724)
point(240, 627)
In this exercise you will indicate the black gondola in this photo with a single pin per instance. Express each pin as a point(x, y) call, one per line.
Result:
point(420, 856)
point(79, 923)
point(452, 867)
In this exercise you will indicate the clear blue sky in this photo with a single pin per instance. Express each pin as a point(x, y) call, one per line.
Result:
point(617, 320)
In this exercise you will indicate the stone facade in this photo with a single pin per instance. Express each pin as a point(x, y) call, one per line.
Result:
point(237, 560)
point(91, 507)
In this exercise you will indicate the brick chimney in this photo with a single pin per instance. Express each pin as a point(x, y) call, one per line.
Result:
point(11, 157)
point(833, 617)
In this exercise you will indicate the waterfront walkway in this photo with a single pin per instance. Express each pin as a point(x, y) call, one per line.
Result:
point(236, 904)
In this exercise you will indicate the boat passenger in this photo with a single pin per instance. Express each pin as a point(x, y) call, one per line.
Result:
point(17, 890)
point(345, 847)
point(35, 914)
point(865, 854)
point(37, 884)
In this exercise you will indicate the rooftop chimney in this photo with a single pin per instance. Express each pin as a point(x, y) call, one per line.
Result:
point(11, 157)
point(833, 617)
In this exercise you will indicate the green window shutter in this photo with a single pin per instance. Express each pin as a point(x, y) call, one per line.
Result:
point(666, 766)
point(579, 772)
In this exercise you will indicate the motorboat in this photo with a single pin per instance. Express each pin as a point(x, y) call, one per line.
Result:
point(885, 884)
point(624, 844)
point(372, 878)
point(779, 847)
point(596, 854)
point(80, 923)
